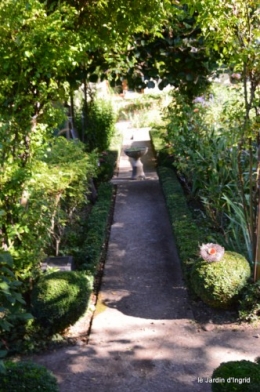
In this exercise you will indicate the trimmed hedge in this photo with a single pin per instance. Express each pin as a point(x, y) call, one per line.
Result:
point(186, 232)
point(219, 283)
point(96, 230)
point(27, 377)
point(59, 299)
point(236, 376)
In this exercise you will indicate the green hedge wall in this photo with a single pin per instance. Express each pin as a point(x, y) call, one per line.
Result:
point(186, 232)
point(96, 230)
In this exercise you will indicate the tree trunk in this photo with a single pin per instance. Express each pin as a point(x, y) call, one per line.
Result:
point(257, 252)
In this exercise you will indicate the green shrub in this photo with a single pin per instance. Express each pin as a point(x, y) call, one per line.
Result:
point(45, 201)
point(212, 154)
point(12, 304)
point(60, 298)
point(96, 230)
point(162, 149)
point(27, 377)
point(100, 126)
point(249, 305)
point(107, 165)
point(185, 231)
point(237, 376)
point(219, 283)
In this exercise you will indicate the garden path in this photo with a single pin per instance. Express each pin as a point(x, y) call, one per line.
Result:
point(143, 336)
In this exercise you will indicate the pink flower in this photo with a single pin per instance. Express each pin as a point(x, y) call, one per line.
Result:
point(211, 252)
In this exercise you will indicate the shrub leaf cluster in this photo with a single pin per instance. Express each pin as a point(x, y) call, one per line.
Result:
point(96, 230)
point(60, 298)
point(219, 283)
point(233, 376)
point(27, 376)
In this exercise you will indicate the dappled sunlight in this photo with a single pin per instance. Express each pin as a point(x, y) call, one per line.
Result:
point(143, 334)
point(130, 211)
point(218, 354)
point(151, 351)
point(118, 225)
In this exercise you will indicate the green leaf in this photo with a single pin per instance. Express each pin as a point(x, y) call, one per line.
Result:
point(4, 287)
point(189, 77)
point(5, 257)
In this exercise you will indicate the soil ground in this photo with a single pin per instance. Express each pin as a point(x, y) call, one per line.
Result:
point(146, 335)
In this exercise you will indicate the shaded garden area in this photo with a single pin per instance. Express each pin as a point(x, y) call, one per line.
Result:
point(59, 148)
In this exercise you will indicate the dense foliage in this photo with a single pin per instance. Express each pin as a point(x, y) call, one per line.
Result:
point(47, 52)
point(27, 376)
point(207, 158)
point(9, 294)
point(95, 231)
point(60, 298)
point(185, 231)
point(232, 29)
point(219, 283)
point(100, 125)
point(214, 284)
point(230, 373)
point(249, 304)
point(177, 57)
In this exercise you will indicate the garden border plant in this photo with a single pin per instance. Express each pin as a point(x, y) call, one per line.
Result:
point(96, 230)
point(59, 299)
point(219, 281)
point(228, 374)
point(96, 233)
point(27, 376)
point(186, 232)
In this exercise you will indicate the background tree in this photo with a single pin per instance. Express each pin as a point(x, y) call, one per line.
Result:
point(177, 57)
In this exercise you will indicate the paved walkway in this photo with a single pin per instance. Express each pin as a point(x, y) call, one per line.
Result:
point(143, 336)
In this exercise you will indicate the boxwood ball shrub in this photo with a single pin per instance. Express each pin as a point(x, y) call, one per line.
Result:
point(219, 283)
point(237, 376)
point(27, 377)
point(60, 298)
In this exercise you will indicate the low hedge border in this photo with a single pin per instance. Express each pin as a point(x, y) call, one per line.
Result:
point(96, 230)
point(186, 232)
